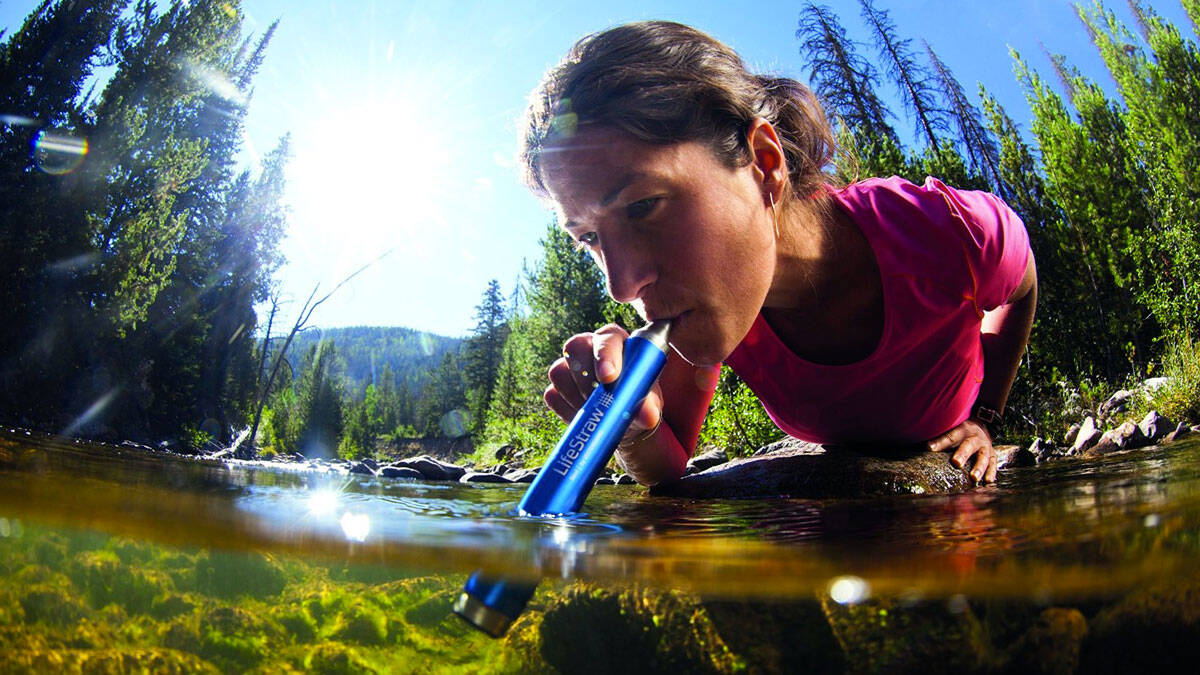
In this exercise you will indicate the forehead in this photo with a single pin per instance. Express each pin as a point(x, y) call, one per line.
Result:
point(583, 170)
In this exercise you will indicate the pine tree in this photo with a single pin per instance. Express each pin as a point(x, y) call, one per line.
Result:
point(483, 350)
point(982, 155)
point(916, 85)
point(843, 80)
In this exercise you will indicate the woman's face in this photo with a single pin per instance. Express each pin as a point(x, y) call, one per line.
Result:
point(678, 234)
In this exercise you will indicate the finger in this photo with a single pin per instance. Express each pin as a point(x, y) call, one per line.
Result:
point(581, 365)
point(947, 440)
point(555, 401)
point(608, 350)
point(993, 467)
point(649, 414)
point(563, 381)
point(965, 451)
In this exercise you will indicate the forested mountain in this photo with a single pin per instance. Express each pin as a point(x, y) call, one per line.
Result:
point(364, 352)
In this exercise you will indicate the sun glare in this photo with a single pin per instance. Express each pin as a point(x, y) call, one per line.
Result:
point(365, 179)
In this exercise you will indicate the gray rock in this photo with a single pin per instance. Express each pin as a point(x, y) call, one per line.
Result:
point(626, 479)
point(1155, 426)
point(1116, 403)
point(521, 475)
point(503, 452)
point(432, 468)
point(1125, 437)
point(401, 472)
point(605, 480)
point(1044, 450)
point(482, 477)
point(371, 463)
point(798, 469)
point(1088, 436)
point(707, 460)
point(362, 468)
point(1026, 456)
point(1072, 433)
point(1181, 431)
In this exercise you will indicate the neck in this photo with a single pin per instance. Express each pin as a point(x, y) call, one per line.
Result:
point(806, 256)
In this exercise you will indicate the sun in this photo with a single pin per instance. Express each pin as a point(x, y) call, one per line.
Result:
point(367, 178)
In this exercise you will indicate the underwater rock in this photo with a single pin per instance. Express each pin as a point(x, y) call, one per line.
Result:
point(482, 477)
point(228, 575)
point(1051, 645)
point(1088, 436)
point(633, 630)
point(800, 469)
point(104, 661)
point(707, 460)
point(881, 635)
point(335, 658)
point(363, 623)
point(400, 472)
point(778, 637)
point(1156, 630)
point(51, 606)
point(1155, 427)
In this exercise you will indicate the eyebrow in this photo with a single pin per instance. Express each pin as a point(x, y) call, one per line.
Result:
point(608, 198)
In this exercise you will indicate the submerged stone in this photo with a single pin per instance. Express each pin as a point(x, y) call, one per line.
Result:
point(798, 469)
point(1051, 645)
point(1156, 630)
point(104, 661)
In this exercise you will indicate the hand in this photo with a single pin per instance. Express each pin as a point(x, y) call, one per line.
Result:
point(589, 359)
point(972, 439)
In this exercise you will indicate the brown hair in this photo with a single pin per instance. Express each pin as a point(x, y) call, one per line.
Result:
point(664, 83)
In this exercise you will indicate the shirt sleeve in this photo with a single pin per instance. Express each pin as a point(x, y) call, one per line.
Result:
point(995, 243)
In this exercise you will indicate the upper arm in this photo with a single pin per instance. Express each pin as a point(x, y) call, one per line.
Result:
point(687, 391)
point(1028, 283)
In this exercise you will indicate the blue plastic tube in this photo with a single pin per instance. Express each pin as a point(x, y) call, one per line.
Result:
point(572, 469)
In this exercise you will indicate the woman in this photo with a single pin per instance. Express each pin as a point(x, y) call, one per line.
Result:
point(883, 312)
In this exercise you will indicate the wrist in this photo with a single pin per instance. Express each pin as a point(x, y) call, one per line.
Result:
point(988, 417)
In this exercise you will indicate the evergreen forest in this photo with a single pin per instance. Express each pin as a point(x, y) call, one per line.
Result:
point(138, 257)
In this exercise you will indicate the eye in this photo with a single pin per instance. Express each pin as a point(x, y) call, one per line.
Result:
point(586, 241)
point(641, 208)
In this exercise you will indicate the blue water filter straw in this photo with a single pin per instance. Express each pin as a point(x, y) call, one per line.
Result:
point(492, 604)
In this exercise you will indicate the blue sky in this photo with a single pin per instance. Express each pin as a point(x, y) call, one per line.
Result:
point(403, 117)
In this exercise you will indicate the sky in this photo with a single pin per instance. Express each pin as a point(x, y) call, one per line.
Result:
point(403, 119)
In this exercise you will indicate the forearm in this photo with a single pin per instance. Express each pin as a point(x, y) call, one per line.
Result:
point(657, 458)
point(1005, 333)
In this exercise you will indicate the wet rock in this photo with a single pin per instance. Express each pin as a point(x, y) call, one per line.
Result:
point(1051, 645)
point(707, 460)
point(433, 469)
point(1182, 430)
point(371, 463)
point(799, 469)
point(605, 480)
point(639, 630)
point(482, 477)
point(885, 636)
point(1088, 436)
point(1156, 630)
point(1125, 437)
point(626, 479)
point(362, 468)
point(521, 475)
point(1026, 456)
point(786, 637)
point(401, 472)
point(1155, 427)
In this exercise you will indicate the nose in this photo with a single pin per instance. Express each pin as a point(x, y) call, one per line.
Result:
point(629, 269)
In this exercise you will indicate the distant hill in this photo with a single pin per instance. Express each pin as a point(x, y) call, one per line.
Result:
point(365, 350)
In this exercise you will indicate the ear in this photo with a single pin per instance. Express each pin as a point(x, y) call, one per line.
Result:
point(767, 158)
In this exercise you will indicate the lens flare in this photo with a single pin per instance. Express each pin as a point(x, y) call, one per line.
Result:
point(356, 526)
point(455, 423)
point(58, 152)
point(848, 590)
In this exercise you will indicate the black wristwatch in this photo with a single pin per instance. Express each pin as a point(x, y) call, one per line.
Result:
point(989, 416)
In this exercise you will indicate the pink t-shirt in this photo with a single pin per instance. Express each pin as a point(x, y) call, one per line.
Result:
point(945, 256)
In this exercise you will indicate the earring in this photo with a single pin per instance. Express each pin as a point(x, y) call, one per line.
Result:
point(774, 215)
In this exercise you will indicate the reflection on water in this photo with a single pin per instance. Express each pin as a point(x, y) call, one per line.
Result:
point(1076, 531)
